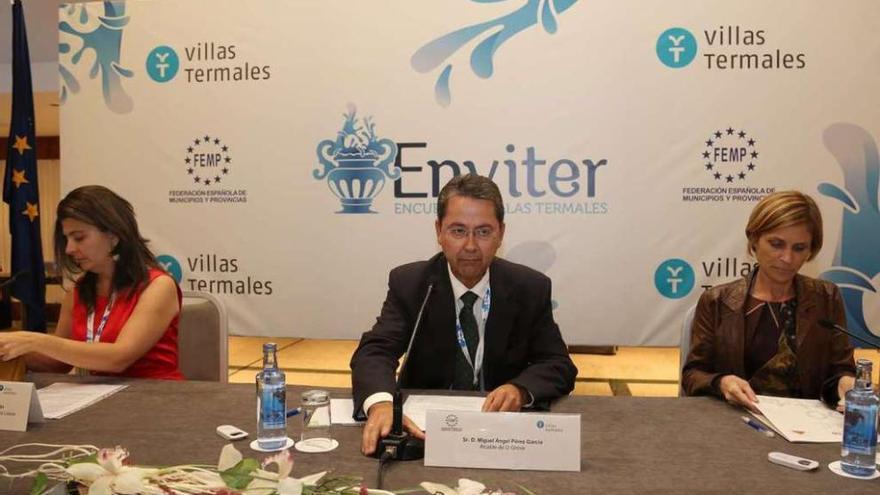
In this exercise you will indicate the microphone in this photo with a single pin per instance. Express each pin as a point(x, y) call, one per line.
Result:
point(11, 280)
point(830, 325)
point(398, 445)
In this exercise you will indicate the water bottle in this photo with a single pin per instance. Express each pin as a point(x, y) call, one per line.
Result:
point(271, 402)
point(860, 425)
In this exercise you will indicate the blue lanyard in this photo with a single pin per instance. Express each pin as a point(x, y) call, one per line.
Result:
point(91, 334)
point(462, 343)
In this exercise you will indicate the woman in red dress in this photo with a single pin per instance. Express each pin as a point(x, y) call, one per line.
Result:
point(121, 317)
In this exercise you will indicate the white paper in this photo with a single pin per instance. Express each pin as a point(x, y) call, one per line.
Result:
point(801, 420)
point(496, 440)
point(342, 411)
point(416, 407)
point(61, 399)
point(320, 417)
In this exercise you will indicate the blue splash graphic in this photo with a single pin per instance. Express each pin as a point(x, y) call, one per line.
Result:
point(105, 41)
point(857, 259)
point(494, 34)
point(538, 255)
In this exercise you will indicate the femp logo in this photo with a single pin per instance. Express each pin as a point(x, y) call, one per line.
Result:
point(729, 157)
point(206, 164)
point(171, 265)
point(676, 47)
point(356, 163)
point(162, 64)
point(674, 278)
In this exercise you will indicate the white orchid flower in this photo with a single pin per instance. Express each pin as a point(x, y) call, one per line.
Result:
point(280, 481)
point(465, 487)
point(229, 457)
point(109, 475)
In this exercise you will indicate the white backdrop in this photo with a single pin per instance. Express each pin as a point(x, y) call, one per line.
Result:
point(604, 144)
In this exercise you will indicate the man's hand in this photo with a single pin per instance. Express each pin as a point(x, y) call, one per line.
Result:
point(378, 425)
point(507, 397)
point(738, 392)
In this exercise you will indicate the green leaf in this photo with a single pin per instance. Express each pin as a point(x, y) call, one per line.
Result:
point(39, 484)
point(239, 476)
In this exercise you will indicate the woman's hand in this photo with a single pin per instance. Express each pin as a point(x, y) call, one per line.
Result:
point(738, 392)
point(844, 385)
point(15, 344)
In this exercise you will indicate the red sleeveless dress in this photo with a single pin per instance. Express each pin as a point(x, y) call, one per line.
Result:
point(160, 362)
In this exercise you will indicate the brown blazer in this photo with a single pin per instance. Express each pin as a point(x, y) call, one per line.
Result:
point(718, 340)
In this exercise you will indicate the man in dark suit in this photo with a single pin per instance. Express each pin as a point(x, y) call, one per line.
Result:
point(487, 323)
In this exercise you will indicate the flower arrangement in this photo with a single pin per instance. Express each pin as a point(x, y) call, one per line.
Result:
point(109, 471)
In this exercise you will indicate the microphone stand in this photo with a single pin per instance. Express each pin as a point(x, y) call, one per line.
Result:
point(399, 445)
point(830, 325)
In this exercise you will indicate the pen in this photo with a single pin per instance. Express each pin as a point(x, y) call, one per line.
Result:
point(294, 412)
point(757, 426)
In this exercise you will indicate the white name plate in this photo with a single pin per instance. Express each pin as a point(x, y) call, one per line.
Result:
point(540, 442)
point(18, 406)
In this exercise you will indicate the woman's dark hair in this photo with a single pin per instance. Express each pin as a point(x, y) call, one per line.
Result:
point(112, 214)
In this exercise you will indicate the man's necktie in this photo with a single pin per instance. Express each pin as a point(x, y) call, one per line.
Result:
point(464, 375)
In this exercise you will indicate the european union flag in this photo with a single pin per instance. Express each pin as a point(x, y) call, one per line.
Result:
point(20, 189)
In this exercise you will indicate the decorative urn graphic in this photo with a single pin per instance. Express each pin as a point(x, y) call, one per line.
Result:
point(356, 163)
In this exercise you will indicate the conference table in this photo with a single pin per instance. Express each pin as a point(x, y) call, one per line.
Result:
point(629, 444)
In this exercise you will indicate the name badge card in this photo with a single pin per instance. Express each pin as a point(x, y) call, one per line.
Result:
point(540, 442)
point(18, 405)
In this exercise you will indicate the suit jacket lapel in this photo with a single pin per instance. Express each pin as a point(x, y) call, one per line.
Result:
point(735, 301)
point(498, 325)
point(441, 319)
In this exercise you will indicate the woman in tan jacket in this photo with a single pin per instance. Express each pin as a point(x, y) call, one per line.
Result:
point(761, 334)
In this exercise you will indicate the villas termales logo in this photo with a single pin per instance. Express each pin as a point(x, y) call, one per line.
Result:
point(728, 47)
point(204, 62)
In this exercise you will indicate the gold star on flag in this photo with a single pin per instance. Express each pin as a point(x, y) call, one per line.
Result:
point(21, 144)
point(18, 178)
point(31, 211)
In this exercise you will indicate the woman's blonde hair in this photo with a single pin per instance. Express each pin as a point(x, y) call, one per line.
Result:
point(784, 209)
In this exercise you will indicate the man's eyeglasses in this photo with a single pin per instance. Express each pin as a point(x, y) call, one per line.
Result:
point(480, 233)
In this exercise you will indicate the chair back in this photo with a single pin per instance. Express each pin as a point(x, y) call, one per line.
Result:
point(202, 338)
point(685, 343)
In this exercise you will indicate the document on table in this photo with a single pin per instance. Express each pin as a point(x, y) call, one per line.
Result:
point(342, 412)
point(61, 399)
point(801, 420)
point(416, 407)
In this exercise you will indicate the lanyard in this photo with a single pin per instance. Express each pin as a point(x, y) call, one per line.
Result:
point(91, 334)
point(462, 343)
